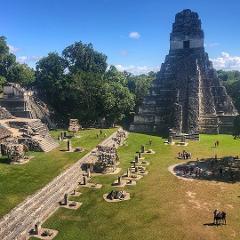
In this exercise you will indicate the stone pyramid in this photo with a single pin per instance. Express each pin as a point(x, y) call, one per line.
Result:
point(187, 96)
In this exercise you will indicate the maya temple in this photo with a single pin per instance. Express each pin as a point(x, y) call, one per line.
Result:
point(187, 95)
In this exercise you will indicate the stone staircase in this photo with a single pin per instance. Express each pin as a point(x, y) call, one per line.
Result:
point(39, 134)
point(209, 124)
point(39, 109)
point(38, 128)
point(46, 144)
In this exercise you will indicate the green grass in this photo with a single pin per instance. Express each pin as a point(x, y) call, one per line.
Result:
point(160, 206)
point(19, 181)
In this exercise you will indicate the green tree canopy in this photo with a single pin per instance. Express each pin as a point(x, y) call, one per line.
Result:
point(52, 80)
point(117, 101)
point(77, 84)
point(231, 80)
point(22, 74)
point(7, 59)
point(12, 71)
point(139, 86)
point(82, 57)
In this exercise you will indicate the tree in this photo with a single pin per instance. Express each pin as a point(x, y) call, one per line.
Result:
point(77, 84)
point(230, 76)
point(7, 59)
point(117, 102)
point(82, 57)
point(139, 86)
point(113, 75)
point(12, 71)
point(51, 79)
point(22, 74)
point(2, 82)
point(86, 90)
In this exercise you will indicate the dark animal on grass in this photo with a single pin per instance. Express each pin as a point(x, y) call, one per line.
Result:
point(219, 217)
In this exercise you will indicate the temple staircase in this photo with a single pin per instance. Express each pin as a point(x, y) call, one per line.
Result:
point(209, 124)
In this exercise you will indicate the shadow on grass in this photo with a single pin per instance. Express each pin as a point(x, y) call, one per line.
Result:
point(4, 160)
point(210, 224)
point(213, 224)
point(157, 134)
point(226, 169)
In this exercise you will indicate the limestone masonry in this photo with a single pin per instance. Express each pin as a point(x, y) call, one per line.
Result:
point(24, 103)
point(187, 95)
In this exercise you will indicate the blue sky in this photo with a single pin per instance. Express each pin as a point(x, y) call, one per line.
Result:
point(134, 34)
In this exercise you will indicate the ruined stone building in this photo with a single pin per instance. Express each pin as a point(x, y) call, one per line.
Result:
point(24, 104)
point(22, 122)
point(187, 95)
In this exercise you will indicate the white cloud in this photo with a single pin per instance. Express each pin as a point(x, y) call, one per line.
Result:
point(28, 59)
point(226, 62)
point(137, 70)
point(134, 35)
point(13, 49)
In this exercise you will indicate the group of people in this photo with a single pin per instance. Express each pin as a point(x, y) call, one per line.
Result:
point(106, 149)
point(101, 133)
point(120, 136)
point(184, 155)
point(190, 171)
point(216, 144)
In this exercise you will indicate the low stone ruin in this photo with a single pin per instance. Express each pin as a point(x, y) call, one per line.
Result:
point(85, 183)
point(140, 160)
point(107, 159)
point(4, 134)
point(119, 182)
point(75, 193)
point(116, 196)
point(43, 233)
point(29, 132)
point(144, 151)
point(65, 203)
point(5, 114)
point(74, 125)
point(71, 149)
point(15, 152)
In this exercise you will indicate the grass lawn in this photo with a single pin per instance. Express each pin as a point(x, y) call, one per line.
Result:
point(19, 181)
point(162, 206)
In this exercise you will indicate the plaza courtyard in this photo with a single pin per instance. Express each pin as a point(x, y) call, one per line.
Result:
point(162, 206)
